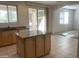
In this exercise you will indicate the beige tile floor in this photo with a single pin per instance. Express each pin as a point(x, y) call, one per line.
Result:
point(61, 47)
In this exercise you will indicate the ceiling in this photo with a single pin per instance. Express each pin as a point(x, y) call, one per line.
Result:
point(48, 2)
point(69, 4)
point(72, 6)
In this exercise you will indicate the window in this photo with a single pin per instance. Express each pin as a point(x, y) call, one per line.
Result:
point(12, 13)
point(3, 14)
point(37, 20)
point(61, 18)
point(41, 21)
point(64, 17)
point(32, 19)
point(8, 14)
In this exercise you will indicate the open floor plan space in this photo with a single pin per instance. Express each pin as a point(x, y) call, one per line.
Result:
point(39, 29)
point(61, 47)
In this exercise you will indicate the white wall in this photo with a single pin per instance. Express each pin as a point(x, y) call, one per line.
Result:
point(49, 24)
point(22, 16)
point(22, 8)
point(76, 19)
point(22, 11)
point(53, 24)
point(56, 26)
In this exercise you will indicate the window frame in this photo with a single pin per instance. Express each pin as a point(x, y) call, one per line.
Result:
point(45, 18)
point(8, 14)
point(39, 8)
point(61, 18)
point(67, 18)
point(63, 12)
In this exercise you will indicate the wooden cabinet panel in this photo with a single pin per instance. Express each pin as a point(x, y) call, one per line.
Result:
point(20, 47)
point(35, 46)
point(7, 38)
point(39, 46)
point(30, 47)
point(47, 43)
point(1, 39)
point(11, 37)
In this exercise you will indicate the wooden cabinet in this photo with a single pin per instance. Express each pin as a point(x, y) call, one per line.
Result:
point(47, 43)
point(1, 39)
point(35, 46)
point(30, 47)
point(39, 46)
point(7, 38)
point(12, 37)
point(20, 47)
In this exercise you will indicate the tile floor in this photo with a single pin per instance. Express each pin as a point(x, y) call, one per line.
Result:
point(61, 47)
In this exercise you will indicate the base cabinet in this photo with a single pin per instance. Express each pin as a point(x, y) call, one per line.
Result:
point(47, 44)
point(35, 46)
point(7, 38)
point(39, 46)
point(30, 47)
point(20, 47)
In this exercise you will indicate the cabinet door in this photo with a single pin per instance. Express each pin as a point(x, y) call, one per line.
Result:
point(12, 37)
point(20, 46)
point(47, 44)
point(30, 47)
point(7, 37)
point(39, 46)
point(1, 38)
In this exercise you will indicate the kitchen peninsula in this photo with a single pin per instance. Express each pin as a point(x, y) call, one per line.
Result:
point(32, 44)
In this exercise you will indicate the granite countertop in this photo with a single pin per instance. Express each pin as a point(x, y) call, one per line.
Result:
point(13, 28)
point(26, 33)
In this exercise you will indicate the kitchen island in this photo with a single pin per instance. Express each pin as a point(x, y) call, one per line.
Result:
point(31, 44)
